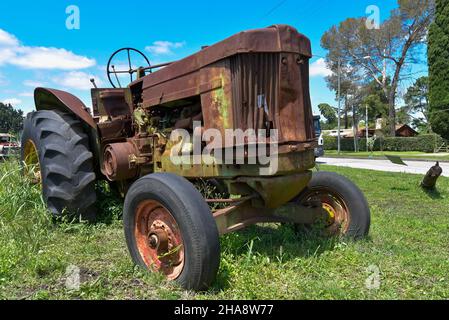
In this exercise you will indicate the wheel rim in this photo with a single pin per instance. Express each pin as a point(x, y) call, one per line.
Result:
point(159, 239)
point(32, 164)
point(337, 220)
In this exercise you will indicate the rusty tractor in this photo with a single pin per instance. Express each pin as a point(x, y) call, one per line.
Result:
point(256, 81)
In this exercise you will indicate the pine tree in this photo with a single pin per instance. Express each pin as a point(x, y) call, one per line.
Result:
point(438, 55)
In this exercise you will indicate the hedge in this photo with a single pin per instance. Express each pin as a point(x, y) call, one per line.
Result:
point(422, 143)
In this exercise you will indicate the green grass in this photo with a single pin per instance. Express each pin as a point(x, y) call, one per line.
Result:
point(408, 243)
point(410, 155)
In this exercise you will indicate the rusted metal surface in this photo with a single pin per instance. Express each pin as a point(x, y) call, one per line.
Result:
point(337, 217)
point(279, 38)
point(253, 80)
point(235, 200)
point(430, 179)
point(50, 99)
point(118, 128)
point(110, 102)
point(117, 164)
point(159, 239)
point(276, 191)
point(255, 90)
point(216, 96)
point(244, 214)
point(288, 163)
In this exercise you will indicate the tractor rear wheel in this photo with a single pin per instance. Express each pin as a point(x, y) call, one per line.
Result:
point(55, 154)
point(347, 208)
point(170, 229)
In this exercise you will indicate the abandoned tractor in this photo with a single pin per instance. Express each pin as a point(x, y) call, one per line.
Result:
point(139, 139)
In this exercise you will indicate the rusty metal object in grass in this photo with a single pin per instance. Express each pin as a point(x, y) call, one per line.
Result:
point(430, 179)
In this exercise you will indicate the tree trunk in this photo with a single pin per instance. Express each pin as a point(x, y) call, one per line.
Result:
point(392, 113)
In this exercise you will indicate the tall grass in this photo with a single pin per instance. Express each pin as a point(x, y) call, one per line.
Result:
point(24, 221)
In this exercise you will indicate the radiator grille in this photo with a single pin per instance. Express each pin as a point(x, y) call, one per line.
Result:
point(255, 90)
point(271, 91)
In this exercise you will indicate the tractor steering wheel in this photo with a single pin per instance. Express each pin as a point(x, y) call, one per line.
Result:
point(111, 68)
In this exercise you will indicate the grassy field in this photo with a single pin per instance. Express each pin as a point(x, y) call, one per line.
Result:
point(410, 155)
point(408, 245)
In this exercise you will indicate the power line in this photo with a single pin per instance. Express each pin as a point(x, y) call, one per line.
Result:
point(280, 4)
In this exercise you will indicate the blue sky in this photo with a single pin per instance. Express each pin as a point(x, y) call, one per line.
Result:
point(36, 48)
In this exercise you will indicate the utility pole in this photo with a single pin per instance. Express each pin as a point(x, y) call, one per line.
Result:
point(366, 127)
point(354, 127)
point(339, 106)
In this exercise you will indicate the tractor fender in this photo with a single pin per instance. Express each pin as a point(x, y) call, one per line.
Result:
point(52, 99)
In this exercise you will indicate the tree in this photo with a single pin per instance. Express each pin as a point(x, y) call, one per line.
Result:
point(384, 52)
point(438, 56)
point(328, 112)
point(403, 115)
point(348, 83)
point(417, 101)
point(11, 120)
point(374, 97)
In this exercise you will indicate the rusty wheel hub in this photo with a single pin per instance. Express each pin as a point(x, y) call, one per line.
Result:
point(338, 217)
point(159, 239)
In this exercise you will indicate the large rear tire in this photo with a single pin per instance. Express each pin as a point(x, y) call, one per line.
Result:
point(55, 152)
point(349, 213)
point(170, 229)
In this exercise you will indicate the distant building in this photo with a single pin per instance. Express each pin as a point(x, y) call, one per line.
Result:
point(344, 133)
point(404, 130)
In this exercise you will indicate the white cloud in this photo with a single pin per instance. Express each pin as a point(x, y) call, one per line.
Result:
point(3, 80)
point(14, 53)
point(319, 69)
point(12, 101)
point(5, 54)
point(26, 94)
point(7, 39)
point(33, 83)
point(76, 80)
point(164, 47)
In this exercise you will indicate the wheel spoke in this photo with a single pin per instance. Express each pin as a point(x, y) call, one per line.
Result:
point(130, 65)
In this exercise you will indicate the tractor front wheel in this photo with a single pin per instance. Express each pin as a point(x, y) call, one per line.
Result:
point(170, 229)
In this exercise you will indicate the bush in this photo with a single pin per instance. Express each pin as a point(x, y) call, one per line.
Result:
point(422, 143)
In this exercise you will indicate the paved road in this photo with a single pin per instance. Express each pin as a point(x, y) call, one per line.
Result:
point(417, 167)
